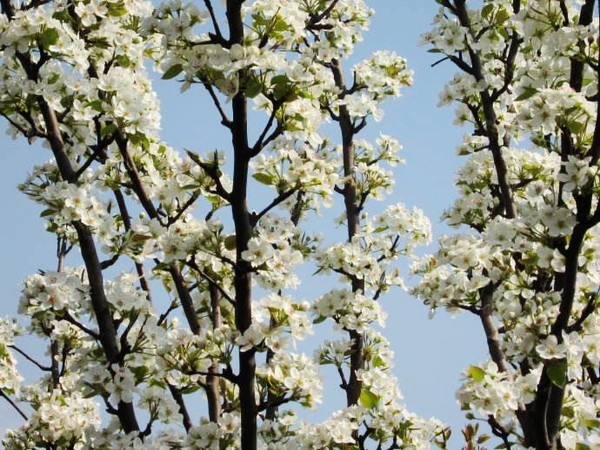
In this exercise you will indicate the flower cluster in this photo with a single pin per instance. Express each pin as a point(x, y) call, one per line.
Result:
point(58, 419)
point(165, 303)
point(528, 193)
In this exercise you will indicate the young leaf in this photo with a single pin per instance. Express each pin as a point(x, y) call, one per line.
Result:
point(263, 178)
point(230, 242)
point(368, 399)
point(172, 72)
point(253, 88)
point(49, 37)
point(557, 372)
point(527, 93)
point(476, 373)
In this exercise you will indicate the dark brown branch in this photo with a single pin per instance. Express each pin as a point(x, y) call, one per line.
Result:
point(176, 393)
point(212, 170)
point(499, 431)
point(344, 381)
point(109, 262)
point(192, 263)
point(132, 171)
point(13, 404)
point(107, 335)
point(491, 333)
point(212, 381)
point(226, 374)
point(188, 204)
point(96, 152)
point(7, 8)
point(351, 203)
point(186, 300)
point(459, 62)
point(182, 291)
point(54, 369)
point(224, 119)
point(316, 18)
point(30, 359)
point(243, 233)
point(274, 402)
point(139, 267)
point(588, 310)
point(68, 318)
point(491, 120)
point(283, 196)
point(125, 347)
point(214, 20)
point(174, 304)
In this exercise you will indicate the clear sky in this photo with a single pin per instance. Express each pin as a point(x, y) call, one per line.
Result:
point(429, 353)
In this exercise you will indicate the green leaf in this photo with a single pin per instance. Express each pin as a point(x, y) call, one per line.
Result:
point(7, 110)
point(54, 78)
point(575, 127)
point(47, 212)
point(483, 438)
point(281, 91)
point(580, 446)
point(527, 93)
point(368, 399)
point(49, 37)
point(591, 423)
point(190, 389)
point(319, 319)
point(117, 10)
point(502, 16)
point(108, 129)
point(280, 79)
point(476, 373)
point(263, 178)
point(378, 361)
point(253, 88)
point(96, 105)
point(230, 242)
point(172, 72)
point(141, 140)
point(486, 11)
point(123, 61)
point(140, 373)
point(214, 200)
point(557, 372)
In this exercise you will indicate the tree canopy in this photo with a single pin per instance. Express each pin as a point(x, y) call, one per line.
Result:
point(172, 319)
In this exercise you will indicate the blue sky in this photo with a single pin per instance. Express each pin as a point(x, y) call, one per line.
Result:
point(429, 353)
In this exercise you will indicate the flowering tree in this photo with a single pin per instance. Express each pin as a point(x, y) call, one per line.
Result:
point(186, 288)
point(174, 304)
point(526, 261)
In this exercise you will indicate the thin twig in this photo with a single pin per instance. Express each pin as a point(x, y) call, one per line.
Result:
point(13, 404)
point(29, 358)
point(224, 119)
point(214, 20)
point(276, 201)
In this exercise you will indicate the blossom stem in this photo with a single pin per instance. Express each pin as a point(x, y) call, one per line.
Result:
point(13, 404)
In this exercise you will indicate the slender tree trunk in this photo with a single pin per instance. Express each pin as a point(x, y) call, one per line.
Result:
point(212, 380)
point(243, 231)
point(351, 204)
point(106, 326)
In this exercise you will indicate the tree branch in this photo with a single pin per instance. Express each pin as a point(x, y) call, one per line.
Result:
point(13, 404)
point(30, 359)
